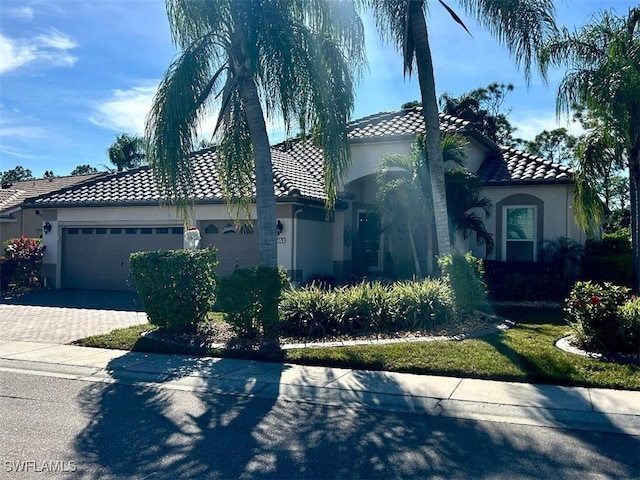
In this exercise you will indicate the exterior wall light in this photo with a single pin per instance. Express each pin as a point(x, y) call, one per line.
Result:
point(279, 227)
point(46, 228)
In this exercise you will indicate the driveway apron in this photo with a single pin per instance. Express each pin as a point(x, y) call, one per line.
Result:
point(62, 316)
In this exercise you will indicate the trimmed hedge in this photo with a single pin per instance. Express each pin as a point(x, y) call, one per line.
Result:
point(608, 260)
point(177, 287)
point(249, 298)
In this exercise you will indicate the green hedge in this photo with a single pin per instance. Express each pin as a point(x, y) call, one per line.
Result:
point(465, 274)
point(177, 287)
point(249, 298)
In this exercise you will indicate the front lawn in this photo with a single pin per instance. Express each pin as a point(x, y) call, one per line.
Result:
point(525, 353)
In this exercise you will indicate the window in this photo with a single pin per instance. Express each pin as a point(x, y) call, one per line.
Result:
point(101, 231)
point(130, 231)
point(162, 231)
point(146, 231)
point(211, 229)
point(116, 231)
point(87, 231)
point(177, 230)
point(519, 227)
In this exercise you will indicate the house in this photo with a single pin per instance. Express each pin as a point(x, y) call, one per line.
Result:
point(16, 221)
point(98, 223)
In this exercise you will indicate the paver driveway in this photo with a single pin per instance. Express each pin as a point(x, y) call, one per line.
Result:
point(61, 316)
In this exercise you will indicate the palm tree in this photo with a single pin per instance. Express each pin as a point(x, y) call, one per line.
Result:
point(522, 25)
point(464, 199)
point(127, 151)
point(404, 195)
point(603, 60)
point(255, 60)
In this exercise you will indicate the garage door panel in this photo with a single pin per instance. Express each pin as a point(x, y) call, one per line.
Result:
point(234, 250)
point(98, 258)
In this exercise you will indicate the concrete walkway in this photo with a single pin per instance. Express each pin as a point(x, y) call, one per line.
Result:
point(62, 316)
point(34, 327)
point(590, 409)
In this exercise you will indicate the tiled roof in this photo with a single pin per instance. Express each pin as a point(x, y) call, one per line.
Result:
point(401, 123)
point(298, 167)
point(17, 192)
point(518, 166)
point(139, 186)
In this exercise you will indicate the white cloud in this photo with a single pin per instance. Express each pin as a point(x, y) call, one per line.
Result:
point(22, 13)
point(49, 49)
point(533, 123)
point(125, 110)
point(13, 55)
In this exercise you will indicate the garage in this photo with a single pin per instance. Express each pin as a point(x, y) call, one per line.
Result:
point(97, 258)
point(237, 246)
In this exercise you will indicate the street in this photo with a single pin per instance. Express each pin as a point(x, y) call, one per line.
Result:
point(55, 427)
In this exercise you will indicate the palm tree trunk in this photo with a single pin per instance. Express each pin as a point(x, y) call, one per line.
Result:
point(414, 252)
point(424, 63)
point(265, 196)
point(634, 188)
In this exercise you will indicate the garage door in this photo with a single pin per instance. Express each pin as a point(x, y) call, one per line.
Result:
point(237, 247)
point(97, 258)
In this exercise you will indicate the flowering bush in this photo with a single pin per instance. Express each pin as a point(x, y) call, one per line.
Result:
point(24, 258)
point(593, 314)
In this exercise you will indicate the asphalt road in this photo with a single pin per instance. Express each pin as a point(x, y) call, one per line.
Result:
point(61, 428)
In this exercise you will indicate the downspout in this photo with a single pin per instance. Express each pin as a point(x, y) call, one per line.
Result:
point(294, 260)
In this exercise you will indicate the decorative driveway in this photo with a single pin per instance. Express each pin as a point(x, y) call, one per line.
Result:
point(62, 316)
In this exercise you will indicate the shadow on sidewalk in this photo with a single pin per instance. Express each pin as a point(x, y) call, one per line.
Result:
point(221, 431)
point(85, 299)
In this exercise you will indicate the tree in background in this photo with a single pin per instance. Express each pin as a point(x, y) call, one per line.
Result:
point(556, 145)
point(256, 60)
point(84, 170)
point(17, 174)
point(127, 151)
point(603, 60)
point(521, 25)
point(483, 108)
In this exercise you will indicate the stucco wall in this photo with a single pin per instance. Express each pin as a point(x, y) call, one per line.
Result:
point(314, 248)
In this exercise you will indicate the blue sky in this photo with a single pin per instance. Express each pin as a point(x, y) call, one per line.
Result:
point(74, 74)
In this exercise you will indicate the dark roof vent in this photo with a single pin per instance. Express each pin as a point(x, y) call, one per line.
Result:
point(6, 185)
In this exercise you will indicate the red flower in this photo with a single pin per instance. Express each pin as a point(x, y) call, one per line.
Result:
point(595, 300)
point(576, 303)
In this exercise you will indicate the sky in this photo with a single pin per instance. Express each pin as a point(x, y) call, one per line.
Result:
point(74, 74)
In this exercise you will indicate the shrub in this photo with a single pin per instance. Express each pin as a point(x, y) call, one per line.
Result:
point(24, 258)
point(177, 287)
point(364, 307)
point(308, 312)
point(592, 313)
point(464, 273)
point(249, 297)
point(629, 316)
point(608, 260)
point(422, 305)
point(7, 269)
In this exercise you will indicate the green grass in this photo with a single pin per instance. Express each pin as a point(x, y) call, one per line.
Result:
point(525, 353)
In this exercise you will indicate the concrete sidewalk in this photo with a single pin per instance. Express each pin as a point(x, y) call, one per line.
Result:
point(591, 409)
